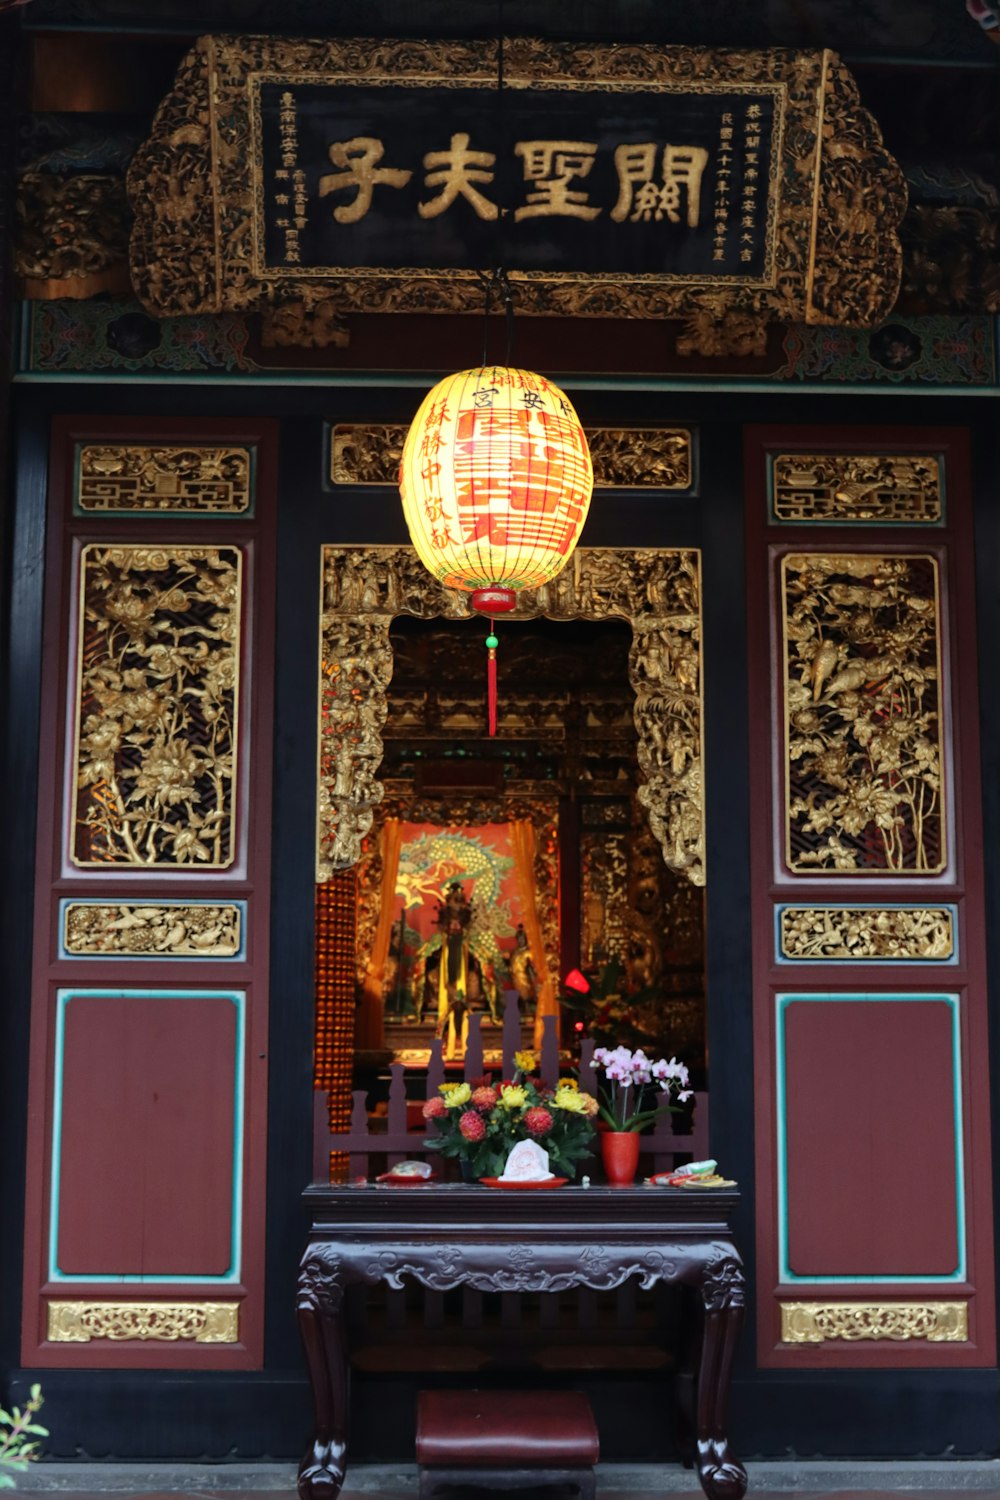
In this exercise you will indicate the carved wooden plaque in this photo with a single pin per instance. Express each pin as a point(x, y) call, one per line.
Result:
point(381, 176)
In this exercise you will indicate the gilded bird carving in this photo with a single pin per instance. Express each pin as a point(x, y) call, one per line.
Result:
point(851, 677)
point(823, 663)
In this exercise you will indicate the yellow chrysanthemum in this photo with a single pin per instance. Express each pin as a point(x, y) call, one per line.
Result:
point(570, 1100)
point(513, 1096)
point(455, 1094)
point(525, 1061)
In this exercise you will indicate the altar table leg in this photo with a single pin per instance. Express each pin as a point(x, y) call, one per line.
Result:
point(722, 1475)
point(322, 1470)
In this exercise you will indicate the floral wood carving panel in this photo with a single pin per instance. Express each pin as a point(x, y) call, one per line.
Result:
point(157, 692)
point(818, 934)
point(171, 929)
point(862, 714)
point(657, 591)
point(834, 196)
point(147, 477)
point(878, 488)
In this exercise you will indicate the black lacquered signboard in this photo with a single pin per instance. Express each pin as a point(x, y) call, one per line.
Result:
point(679, 183)
point(365, 175)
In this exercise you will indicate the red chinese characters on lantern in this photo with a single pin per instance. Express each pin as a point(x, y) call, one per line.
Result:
point(521, 478)
point(495, 479)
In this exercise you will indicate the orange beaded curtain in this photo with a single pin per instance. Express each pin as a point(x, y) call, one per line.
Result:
point(496, 482)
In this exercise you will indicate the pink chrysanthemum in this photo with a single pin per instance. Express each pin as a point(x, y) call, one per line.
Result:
point(538, 1121)
point(472, 1125)
point(484, 1097)
point(435, 1109)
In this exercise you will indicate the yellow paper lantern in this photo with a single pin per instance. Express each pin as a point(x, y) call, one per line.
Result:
point(496, 482)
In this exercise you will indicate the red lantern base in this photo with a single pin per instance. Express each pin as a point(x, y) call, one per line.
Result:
point(495, 600)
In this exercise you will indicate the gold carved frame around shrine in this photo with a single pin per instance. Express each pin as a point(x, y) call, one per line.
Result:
point(834, 202)
point(658, 591)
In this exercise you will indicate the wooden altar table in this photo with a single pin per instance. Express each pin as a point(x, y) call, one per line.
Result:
point(465, 1235)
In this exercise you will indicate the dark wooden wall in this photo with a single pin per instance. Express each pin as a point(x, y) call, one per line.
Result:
point(264, 1411)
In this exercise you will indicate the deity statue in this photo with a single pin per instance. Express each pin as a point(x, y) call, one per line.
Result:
point(523, 975)
point(454, 978)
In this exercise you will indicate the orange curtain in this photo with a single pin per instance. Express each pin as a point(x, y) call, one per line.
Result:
point(522, 841)
point(370, 1029)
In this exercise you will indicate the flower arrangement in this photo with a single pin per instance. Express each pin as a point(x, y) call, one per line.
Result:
point(479, 1122)
point(630, 1079)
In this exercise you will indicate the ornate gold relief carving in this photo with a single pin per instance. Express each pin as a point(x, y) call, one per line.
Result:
point(658, 592)
point(816, 1322)
point(164, 1322)
point(124, 929)
point(856, 186)
point(311, 320)
point(899, 490)
point(833, 254)
point(657, 458)
point(69, 226)
point(642, 458)
point(720, 335)
point(157, 693)
point(862, 714)
point(149, 477)
point(604, 904)
point(905, 933)
point(366, 452)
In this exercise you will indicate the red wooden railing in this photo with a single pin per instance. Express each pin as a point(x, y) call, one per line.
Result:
point(674, 1135)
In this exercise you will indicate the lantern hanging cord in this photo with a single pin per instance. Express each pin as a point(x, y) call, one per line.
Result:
point(497, 284)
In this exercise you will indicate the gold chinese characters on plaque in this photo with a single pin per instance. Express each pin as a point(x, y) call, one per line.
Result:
point(655, 458)
point(865, 793)
point(867, 488)
point(707, 182)
point(157, 687)
point(146, 478)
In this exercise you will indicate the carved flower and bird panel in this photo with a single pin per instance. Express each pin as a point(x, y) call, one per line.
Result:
point(158, 685)
point(863, 736)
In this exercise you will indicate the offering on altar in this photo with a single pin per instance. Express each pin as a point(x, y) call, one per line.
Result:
point(527, 1162)
point(412, 1169)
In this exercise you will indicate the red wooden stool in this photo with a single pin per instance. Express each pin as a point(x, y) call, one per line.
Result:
point(507, 1439)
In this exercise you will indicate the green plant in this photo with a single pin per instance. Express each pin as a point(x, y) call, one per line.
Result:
point(18, 1437)
point(611, 1013)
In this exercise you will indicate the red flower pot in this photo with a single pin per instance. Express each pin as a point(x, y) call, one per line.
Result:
point(620, 1155)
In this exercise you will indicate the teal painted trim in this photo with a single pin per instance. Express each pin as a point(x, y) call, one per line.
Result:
point(337, 379)
point(786, 1276)
point(232, 1275)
